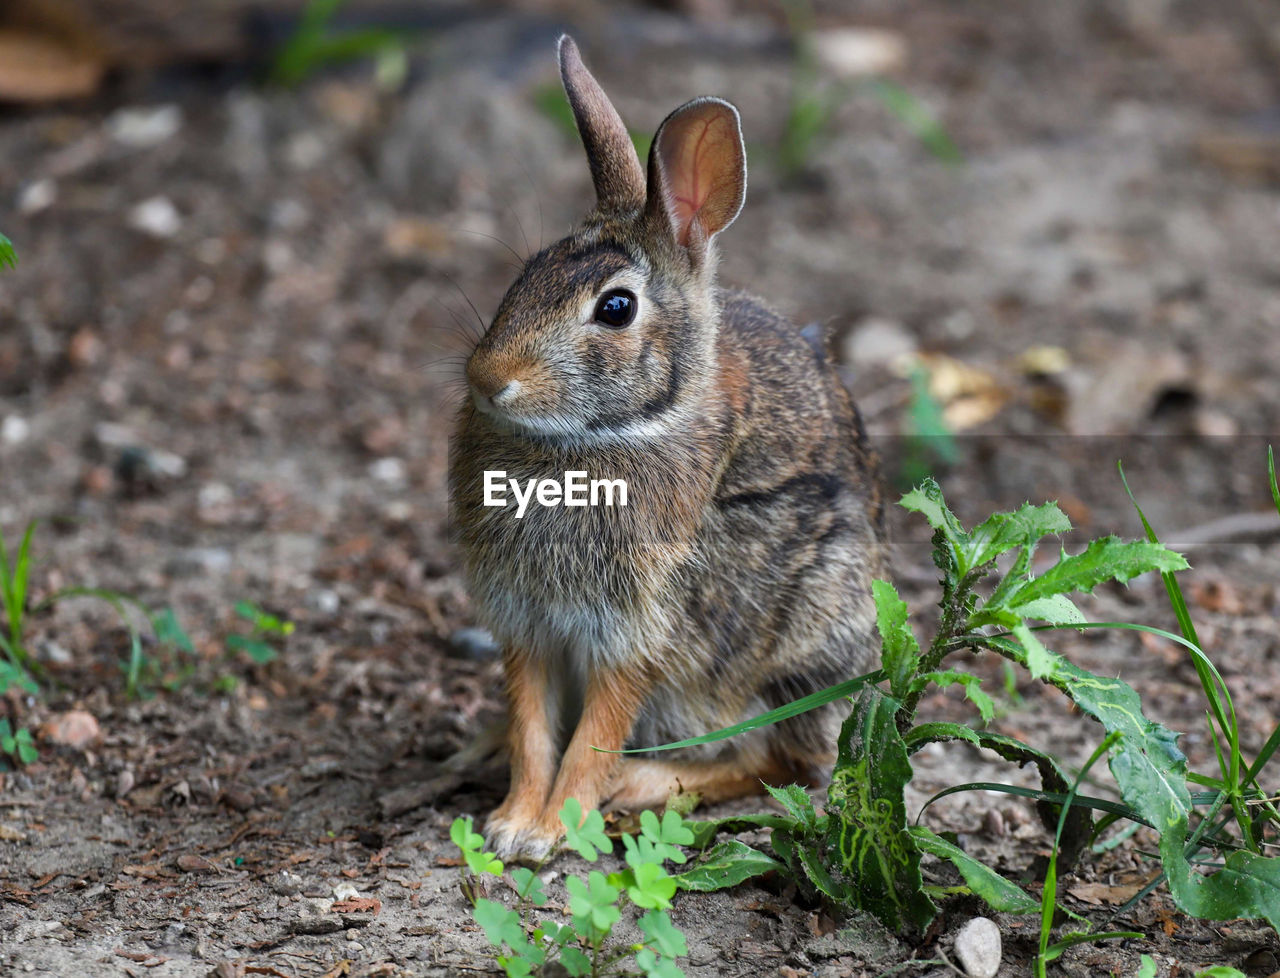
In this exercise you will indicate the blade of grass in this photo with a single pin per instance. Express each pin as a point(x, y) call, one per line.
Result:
point(1271, 471)
point(1049, 897)
point(1038, 794)
point(795, 708)
point(118, 601)
point(1230, 731)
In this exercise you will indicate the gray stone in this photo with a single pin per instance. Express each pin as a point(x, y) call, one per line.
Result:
point(978, 948)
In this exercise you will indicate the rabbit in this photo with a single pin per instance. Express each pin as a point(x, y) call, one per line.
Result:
point(737, 577)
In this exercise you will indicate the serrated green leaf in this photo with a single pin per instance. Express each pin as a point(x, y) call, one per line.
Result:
point(8, 256)
point(877, 858)
point(926, 499)
point(1056, 609)
point(999, 893)
point(1053, 779)
point(1002, 532)
point(1018, 575)
point(706, 830)
point(796, 802)
point(1146, 967)
point(972, 688)
point(1104, 559)
point(584, 833)
point(1041, 663)
point(900, 652)
point(728, 864)
point(928, 733)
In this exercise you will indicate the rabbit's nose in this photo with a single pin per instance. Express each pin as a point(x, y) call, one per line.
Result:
point(487, 381)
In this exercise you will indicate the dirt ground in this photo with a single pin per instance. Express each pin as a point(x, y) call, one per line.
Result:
point(228, 370)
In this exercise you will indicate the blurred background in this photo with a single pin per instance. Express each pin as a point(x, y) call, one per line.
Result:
point(253, 239)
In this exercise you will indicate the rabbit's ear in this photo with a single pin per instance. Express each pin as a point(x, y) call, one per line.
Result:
point(698, 172)
point(615, 168)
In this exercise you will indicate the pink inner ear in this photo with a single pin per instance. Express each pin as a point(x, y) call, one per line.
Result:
point(700, 156)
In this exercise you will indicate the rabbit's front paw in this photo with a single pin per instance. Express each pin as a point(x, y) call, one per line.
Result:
point(518, 840)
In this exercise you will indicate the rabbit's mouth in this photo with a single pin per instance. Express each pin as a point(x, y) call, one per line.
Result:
point(549, 426)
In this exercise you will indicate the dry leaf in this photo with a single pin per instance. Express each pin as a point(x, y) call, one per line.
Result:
point(1099, 894)
point(969, 395)
point(37, 67)
point(75, 728)
point(358, 905)
point(191, 863)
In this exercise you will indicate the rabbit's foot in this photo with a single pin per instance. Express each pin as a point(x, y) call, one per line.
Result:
point(519, 840)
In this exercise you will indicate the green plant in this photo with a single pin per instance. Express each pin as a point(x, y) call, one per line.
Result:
point(930, 441)
point(813, 104)
point(583, 946)
point(316, 44)
point(265, 628)
point(14, 574)
point(8, 257)
point(17, 743)
point(861, 853)
point(20, 668)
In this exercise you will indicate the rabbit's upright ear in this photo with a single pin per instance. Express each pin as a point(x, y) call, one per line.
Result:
point(697, 172)
point(615, 168)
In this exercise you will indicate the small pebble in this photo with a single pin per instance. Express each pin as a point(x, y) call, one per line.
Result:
point(157, 217)
point(978, 948)
point(75, 728)
point(390, 470)
point(993, 823)
point(878, 342)
point(325, 601)
point(14, 430)
point(143, 128)
point(345, 891)
point(286, 883)
point(36, 196)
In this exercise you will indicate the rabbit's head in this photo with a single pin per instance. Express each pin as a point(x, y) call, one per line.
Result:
point(609, 334)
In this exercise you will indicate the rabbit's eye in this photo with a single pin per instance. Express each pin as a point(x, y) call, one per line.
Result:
point(616, 309)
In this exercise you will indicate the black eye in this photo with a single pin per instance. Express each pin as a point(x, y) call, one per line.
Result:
point(616, 309)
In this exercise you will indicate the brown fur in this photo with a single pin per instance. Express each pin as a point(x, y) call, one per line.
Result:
point(737, 577)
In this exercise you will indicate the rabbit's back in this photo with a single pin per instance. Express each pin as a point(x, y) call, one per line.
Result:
point(775, 600)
